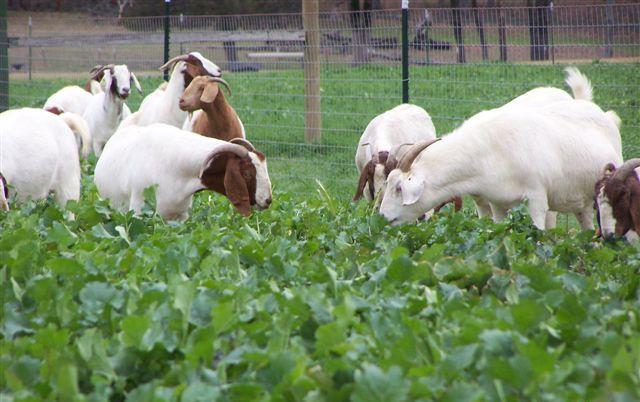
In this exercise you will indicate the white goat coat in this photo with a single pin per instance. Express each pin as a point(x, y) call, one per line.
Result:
point(404, 124)
point(136, 158)
point(552, 156)
point(38, 155)
point(103, 115)
point(69, 99)
point(161, 106)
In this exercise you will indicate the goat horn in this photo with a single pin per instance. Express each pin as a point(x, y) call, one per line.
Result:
point(223, 82)
point(243, 143)
point(99, 69)
point(233, 148)
point(168, 65)
point(626, 169)
point(408, 158)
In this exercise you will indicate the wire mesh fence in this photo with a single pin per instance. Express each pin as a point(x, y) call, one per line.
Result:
point(461, 61)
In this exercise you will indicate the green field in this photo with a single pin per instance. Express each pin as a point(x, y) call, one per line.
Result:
point(317, 298)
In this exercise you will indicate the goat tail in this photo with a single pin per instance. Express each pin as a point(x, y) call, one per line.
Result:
point(613, 116)
point(579, 84)
point(79, 127)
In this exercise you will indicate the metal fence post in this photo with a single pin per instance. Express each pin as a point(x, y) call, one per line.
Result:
point(167, 21)
point(4, 58)
point(405, 51)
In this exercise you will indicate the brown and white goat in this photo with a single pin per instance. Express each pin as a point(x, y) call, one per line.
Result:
point(217, 118)
point(161, 106)
point(179, 164)
point(617, 200)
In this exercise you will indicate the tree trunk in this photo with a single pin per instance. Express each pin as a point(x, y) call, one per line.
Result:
point(608, 49)
point(361, 25)
point(480, 27)
point(539, 29)
point(457, 30)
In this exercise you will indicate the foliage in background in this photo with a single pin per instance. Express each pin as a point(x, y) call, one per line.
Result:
point(315, 299)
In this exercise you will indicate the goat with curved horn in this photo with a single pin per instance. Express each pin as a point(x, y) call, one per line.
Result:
point(626, 169)
point(221, 81)
point(97, 72)
point(408, 158)
point(244, 143)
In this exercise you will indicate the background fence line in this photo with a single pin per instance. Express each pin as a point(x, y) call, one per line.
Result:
point(460, 61)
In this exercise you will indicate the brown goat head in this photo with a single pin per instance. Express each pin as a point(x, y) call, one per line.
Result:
point(233, 172)
point(201, 92)
point(617, 199)
point(367, 176)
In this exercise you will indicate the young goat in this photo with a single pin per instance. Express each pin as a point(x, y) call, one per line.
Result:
point(180, 163)
point(107, 109)
point(161, 106)
point(550, 156)
point(214, 116)
point(617, 200)
point(38, 155)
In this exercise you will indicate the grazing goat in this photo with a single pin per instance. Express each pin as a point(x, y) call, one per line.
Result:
point(384, 141)
point(543, 97)
point(161, 106)
point(107, 109)
point(550, 156)
point(215, 117)
point(617, 200)
point(38, 155)
point(180, 163)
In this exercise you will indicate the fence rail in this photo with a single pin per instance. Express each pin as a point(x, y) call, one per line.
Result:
point(461, 61)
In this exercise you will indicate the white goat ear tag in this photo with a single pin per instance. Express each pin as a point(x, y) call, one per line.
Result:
point(411, 190)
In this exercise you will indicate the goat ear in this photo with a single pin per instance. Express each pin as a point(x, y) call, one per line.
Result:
point(362, 181)
point(236, 188)
point(109, 81)
point(136, 82)
point(412, 189)
point(209, 93)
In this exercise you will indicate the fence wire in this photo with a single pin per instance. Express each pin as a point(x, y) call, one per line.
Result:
point(461, 61)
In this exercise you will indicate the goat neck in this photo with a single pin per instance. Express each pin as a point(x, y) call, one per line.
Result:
point(222, 118)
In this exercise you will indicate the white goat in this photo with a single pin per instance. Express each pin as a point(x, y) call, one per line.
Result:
point(384, 137)
point(542, 97)
point(180, 163)
point(551, 156)
point(107, 109)
point(38, 155)
point(68, 99)
point(161, 106)
point(73, 98)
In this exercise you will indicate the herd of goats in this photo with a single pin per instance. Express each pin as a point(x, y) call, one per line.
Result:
point(559, 152)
